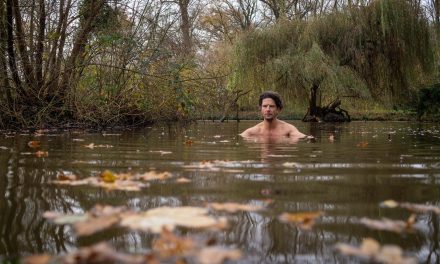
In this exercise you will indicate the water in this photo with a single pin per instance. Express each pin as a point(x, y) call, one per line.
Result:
point(346, 172)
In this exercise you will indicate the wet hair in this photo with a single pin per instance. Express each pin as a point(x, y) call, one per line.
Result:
point(272, 95)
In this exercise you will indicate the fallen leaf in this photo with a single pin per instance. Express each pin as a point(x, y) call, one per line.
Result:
point(371, 251)
point(42, 154)
point(385, 224)
point(420, 208)
point(92, 146)
point(417, 208)
point(389, 204)
point(304, 220)
point(64, 219)
point(217, 255)
point(101, 253)
point(108, 176)
point(183, 180)
point(168, 245)
point(161, 152)
point(152, 175)
point(34, 144)
point(234, 207)
point(93, 225)
point(64, 177)
point(156, 219)
point(362, 144)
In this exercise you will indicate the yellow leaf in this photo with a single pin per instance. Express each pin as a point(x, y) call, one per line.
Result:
point(108, 176)
point(304, 220)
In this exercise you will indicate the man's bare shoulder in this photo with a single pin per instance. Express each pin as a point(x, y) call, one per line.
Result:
point(291, 130)
point(252, 131)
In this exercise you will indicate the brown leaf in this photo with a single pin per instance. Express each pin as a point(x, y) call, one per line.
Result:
point(387, 225)
point(101, 253)
point(34, 144)
point(42, 154)
point(63, 177)
point(362, 144)
point(152, 175)
point(217, 255)
point(371, 251)
point(304, 220)
point(234, 207)
point(156, 219)
point(168, 245)
point(95, 224)
point(183, 180)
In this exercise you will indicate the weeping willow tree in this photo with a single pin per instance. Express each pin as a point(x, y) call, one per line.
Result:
point(288, 59)
point(382, 52)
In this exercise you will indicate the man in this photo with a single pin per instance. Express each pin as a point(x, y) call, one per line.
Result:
point(270, 104)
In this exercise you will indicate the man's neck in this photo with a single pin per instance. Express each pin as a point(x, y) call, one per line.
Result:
point(270, 123)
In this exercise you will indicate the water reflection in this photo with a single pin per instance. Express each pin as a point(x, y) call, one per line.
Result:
point(334, 174)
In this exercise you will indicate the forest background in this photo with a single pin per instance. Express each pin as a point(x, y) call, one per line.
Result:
point(100, 63)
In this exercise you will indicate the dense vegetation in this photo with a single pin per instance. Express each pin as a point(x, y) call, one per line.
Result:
point(105, 63)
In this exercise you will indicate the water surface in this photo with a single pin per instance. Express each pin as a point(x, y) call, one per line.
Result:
point(346, 172)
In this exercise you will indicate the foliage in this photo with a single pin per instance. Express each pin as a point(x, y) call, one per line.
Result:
point(428, 106)
point(383, 50)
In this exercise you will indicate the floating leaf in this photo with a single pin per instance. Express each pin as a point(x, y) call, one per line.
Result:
point(397, 226)
point(102, 253)
point(291, 164)
point(97, 219)
point(152, 175)
point(417, 208)
point(389, 204)
point(108, 176)
point(34, 144)
point(183, 180)
point(161, 152)
point(95, 224)
point(217, 255)
point(168, 245)
point(169, 217)
point(107, 180)
point(92, 146)
point(42, 154)
point(64, 177)
point(371, 251)
point(304, 220)
point(362, 144)
point(234, 207)
point(64, 219)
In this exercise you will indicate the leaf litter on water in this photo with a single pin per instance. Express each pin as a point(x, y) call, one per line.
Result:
point(413, 207)
point(234, 207)
point(385, 224)
point(167, 248)
point(371, 251)
point(113, 181)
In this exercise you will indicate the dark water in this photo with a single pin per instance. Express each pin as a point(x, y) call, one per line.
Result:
point(346, 172)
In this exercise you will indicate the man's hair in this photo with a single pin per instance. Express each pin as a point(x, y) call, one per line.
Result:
point(272, 95)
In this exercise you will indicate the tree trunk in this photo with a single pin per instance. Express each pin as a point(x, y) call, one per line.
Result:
point(313, 109)
point(4, 83)
point(185, 26)
point(74, 62)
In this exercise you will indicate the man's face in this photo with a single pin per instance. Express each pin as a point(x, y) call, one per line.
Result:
point(269, 109)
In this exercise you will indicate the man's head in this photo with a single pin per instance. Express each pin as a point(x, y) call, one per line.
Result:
point(272, 95)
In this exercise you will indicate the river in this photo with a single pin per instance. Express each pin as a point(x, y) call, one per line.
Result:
point(345, 174)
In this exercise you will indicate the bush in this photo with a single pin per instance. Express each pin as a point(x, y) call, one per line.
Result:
point(429, 102)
